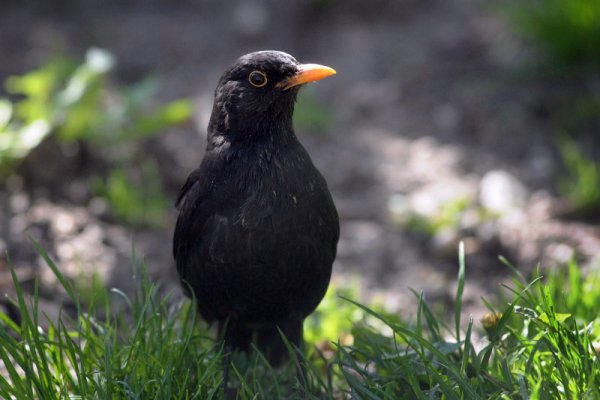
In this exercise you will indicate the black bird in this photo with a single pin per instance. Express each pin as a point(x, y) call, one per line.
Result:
point(257, 230)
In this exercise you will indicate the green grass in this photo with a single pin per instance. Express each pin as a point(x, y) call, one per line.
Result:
point(540, 345)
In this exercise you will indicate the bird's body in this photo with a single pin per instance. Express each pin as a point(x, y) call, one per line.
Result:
point(257, 231)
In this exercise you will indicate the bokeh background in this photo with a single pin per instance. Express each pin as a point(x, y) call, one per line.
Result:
point(447, 121)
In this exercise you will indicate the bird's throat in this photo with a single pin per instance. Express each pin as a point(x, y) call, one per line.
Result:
point(256, 131)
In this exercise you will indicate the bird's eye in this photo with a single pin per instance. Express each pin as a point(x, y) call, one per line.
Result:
point(257, 79)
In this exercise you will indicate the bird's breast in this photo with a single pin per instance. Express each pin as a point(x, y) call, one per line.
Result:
point(268, 238)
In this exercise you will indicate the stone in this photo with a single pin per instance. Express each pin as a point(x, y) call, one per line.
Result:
point(500, 192)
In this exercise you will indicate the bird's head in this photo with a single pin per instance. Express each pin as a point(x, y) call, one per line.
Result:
point(256, 95)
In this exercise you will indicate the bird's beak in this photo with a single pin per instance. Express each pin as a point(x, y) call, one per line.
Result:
point(306, 73)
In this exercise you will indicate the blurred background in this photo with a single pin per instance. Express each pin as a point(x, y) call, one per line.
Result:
point(447, 121)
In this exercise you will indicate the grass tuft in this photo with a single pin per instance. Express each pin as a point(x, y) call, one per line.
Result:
point(541, 344)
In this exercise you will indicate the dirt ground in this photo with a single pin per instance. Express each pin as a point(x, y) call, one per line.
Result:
point(433, 101)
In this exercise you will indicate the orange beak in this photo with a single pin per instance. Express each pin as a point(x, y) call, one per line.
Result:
point(306, 73)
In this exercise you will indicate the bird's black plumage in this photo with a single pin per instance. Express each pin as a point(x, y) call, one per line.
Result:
point(257, 229)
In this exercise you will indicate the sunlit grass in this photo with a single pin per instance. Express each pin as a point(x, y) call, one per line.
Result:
point(539, 344)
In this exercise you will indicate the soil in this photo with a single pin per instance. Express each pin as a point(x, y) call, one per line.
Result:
point(430, 98)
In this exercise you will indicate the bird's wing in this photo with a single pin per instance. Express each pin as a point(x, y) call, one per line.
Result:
point(190, 197)
point(198, 224)
point(191, 182)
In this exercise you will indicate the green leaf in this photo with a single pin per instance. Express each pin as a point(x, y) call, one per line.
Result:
point(99, 60)
point(558, 317)
point(173, 113)
point(16, 144)
point(6, 110)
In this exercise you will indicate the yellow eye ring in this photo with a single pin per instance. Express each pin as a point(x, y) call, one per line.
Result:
point(257, 79)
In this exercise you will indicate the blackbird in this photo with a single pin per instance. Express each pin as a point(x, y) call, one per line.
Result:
point(257, 230)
